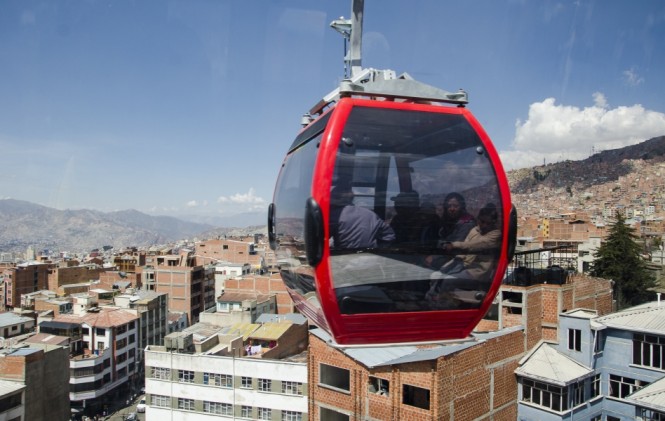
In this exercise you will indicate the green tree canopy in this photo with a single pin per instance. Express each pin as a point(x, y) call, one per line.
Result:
point(619, 259)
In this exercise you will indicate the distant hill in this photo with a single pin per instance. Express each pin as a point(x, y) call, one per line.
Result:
point(24, 224)
point(599, 168)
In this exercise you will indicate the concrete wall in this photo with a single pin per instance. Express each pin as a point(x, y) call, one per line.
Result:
point(276, 371)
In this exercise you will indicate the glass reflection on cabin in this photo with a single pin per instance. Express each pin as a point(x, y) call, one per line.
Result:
point(401, 166)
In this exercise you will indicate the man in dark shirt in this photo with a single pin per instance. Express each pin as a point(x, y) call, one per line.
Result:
point(355, 227)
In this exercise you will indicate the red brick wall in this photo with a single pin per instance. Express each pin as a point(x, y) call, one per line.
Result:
point(227, 250)
point(265, 285)
point(12, 368)
point(59, 276)
point(533, 301)
point(460, 384)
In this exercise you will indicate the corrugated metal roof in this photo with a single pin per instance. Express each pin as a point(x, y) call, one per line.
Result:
point(549, 365)
point(644, 318)
point(238, 329)
point(47, 338)
point(652, 396)
point(239, 297)
point(9, 318)
point(582, 314)
point(295, 318)
point(377, 356)
point(270, 331)
point(7, 387)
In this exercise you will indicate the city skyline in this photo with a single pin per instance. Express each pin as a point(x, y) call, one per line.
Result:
point(186, 109)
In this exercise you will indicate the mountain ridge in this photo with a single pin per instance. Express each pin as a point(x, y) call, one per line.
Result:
point(602, 167)
point(24, 224)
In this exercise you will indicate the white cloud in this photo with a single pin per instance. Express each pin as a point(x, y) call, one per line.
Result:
point(631, 77)
point(196, 204)
point(555, 132)
point(248, 198)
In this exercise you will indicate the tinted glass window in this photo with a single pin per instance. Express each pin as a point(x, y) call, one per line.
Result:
point(293, 189)
point(415, 213)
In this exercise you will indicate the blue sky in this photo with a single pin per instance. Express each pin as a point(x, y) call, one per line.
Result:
point(186, 108)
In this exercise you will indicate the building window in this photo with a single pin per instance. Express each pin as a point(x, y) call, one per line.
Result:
point(577, 391)
point(160, 373)
point(597, 343)
point(334, 377)
point(291, 416)
point(595, 386)
point(575, 339)
point(379, 386)
point(185, 376)
point(9, 402)
point(648, 350)
point(546, 395)
point(651, 415)
point(246, 411)
point(292, 388)
point(216, 379)
point(598, 417)
point(160, 401)
point(265, 385)
point(330, 415)
point(620, 387)
point(246, 382)
point(186, 404)
point(415, 396)
point(264, 414)
point(217, 408)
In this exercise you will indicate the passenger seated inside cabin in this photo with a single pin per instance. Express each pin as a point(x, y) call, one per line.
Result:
point(454, 225)
point(475, 256)
point(355, 227)
point(457, 221)
point(407, 221)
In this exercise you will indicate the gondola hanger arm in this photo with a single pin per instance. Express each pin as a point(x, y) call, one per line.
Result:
point(368, 82)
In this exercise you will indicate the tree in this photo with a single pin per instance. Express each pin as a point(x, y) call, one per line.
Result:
point(619, 259)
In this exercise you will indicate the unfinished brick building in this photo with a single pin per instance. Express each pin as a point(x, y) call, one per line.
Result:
point(473, 379)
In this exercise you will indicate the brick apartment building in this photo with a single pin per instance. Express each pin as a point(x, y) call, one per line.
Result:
point(23, 278)
point(241, 250)
point(34, 383)
point(269, 284)
point(464, 380)
point(190, 287)
point(129, 260)
point(70, 272)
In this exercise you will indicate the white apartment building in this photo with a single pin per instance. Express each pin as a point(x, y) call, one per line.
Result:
point(105, 341)
point(199, 387)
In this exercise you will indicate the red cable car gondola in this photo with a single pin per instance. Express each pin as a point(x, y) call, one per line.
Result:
point(392, 220)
